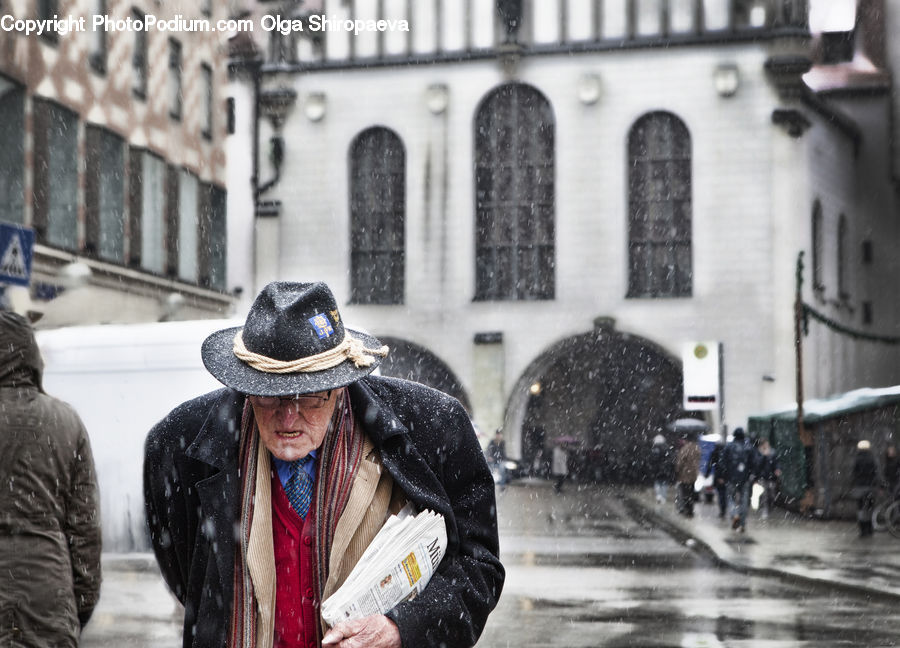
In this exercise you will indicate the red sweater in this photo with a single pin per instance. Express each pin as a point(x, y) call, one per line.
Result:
point(296, 603)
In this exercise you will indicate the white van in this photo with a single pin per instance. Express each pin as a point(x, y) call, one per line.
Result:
point(122, 379)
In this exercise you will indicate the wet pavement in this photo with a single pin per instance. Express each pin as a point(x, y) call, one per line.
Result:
point(136, 609)
point(787, 545)
point(607, 567)
point(601, 567)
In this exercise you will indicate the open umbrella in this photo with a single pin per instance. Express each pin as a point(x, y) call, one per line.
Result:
point(688, 426)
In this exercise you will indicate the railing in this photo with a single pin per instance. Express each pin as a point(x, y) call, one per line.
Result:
point(458, 29)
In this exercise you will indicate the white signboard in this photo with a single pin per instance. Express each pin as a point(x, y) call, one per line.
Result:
point(700, 363)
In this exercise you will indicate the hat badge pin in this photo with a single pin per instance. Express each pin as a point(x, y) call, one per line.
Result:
point(321, 325)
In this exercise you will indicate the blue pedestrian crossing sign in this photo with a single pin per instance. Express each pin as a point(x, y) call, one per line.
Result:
point(16, 252)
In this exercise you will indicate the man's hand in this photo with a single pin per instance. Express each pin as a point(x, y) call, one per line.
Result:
point(376, 631)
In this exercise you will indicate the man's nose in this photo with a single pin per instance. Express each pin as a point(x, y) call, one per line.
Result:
point(289, 413)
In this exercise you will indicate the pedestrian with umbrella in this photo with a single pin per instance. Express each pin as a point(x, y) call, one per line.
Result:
point(687, 461)
point(687, 467)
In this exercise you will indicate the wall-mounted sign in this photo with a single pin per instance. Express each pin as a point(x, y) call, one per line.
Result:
point(700, 364)
point(16, 251)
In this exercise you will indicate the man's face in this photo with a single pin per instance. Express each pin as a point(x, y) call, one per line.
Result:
point(291, 428)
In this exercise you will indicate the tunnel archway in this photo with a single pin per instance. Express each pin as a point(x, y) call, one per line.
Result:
point(611, 392)
point(411, 361)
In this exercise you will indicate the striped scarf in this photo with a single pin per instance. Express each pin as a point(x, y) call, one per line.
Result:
point(336, 468)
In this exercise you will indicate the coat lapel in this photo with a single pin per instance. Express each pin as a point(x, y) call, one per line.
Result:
point(261, 551)
point(400, 456)
point(361, 494)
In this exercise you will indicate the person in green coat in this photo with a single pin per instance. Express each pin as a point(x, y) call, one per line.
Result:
point(50, 536)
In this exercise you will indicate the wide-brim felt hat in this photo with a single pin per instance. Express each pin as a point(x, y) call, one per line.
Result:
point(293, 342)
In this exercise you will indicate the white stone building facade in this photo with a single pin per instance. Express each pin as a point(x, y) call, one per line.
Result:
point(778, 126)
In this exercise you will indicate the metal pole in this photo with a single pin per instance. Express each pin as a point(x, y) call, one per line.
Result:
point(798, 346)
point(798, 343)
point(722, 425)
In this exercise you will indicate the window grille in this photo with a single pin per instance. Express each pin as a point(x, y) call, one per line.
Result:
point(514, 196)
point(377, 217)
point(659, 189)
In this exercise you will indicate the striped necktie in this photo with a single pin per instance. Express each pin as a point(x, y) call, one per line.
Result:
point(299, 486)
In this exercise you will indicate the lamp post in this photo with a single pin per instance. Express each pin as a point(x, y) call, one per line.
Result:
point(807, 442)
point(798, 344)
point(275, 104)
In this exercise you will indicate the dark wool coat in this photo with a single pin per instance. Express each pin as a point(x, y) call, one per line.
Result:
point(49, 505)
point(892, 472)
point(865, 470)
point(661, 466)
point(426, 441)
point(738, 462)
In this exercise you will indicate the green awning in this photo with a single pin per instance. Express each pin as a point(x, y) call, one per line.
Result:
point(821, 409)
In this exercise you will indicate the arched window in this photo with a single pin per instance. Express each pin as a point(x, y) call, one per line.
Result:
point(659, 196)
point(818, 283)
point(514, 195)
point(377, 217)
point(842, 257)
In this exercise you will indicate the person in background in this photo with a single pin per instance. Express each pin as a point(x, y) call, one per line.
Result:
point(738, 459)
point(892, 470)
point(539, 465)
point(559, 465)
point(496, 458)
point(660, 468)
point(687, 467)
point(261, 497)
point(767, 475)
point(50, 538)
point(716, 467)
point(864, 480)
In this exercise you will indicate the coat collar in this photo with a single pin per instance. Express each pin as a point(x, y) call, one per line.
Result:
point(399, 454)
point(216, 444)
point(377, 417)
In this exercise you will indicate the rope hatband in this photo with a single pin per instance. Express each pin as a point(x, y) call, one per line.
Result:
point(351, 349)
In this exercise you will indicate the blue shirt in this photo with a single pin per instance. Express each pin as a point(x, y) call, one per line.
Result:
point(284, 468)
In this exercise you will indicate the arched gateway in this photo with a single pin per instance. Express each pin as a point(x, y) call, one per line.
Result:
point(413, 362)
point(610, 392)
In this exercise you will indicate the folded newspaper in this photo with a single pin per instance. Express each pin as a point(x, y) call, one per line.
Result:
point(395, 567)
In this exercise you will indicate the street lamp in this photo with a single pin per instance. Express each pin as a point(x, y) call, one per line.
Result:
point(275, 104)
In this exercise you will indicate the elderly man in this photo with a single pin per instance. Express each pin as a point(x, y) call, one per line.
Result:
point(261, 497)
